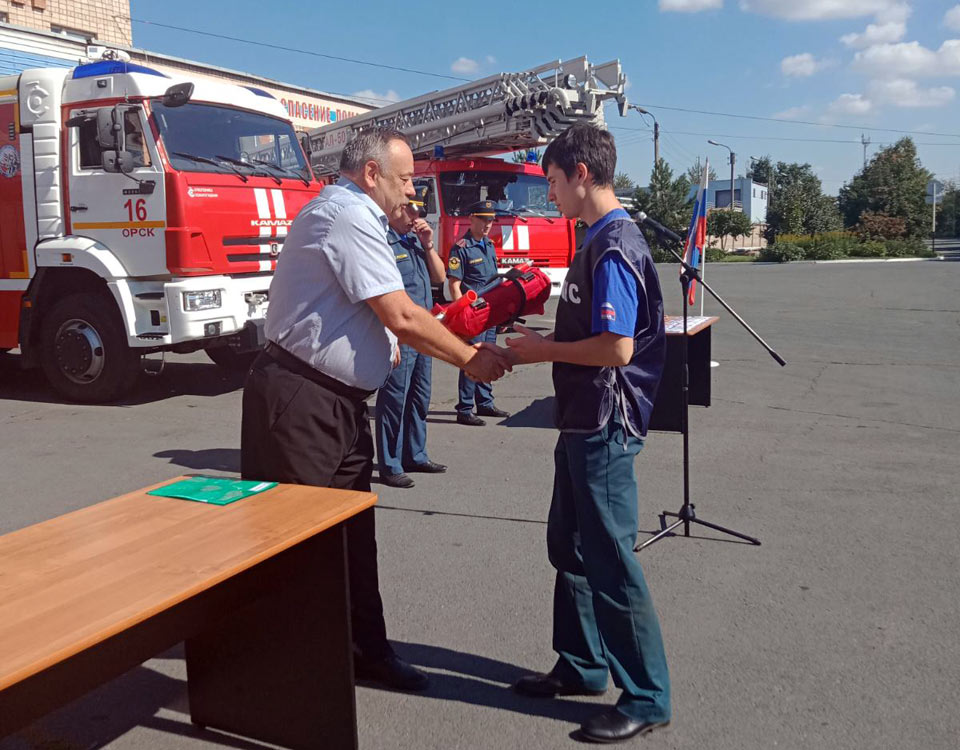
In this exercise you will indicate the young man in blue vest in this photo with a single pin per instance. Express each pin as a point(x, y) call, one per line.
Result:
point(608, 351)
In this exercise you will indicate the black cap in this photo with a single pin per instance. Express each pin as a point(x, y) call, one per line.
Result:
point(484, 209)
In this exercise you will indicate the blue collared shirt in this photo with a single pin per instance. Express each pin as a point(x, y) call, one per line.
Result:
point(474, 262)
point(335, 258)
point(412, 262)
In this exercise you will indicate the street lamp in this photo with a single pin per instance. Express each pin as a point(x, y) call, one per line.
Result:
point(733, 162)
point(656, 132)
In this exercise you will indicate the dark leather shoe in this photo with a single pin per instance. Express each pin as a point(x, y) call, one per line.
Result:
point(613, 726)
point(428, 467)
point(492, 411)
point(400, 481)
point(470, 419)
point(392, 672)
point(549, 686)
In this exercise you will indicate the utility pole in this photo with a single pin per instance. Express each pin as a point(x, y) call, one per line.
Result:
point(656, 132)
point(733, 163)
point(866, 142)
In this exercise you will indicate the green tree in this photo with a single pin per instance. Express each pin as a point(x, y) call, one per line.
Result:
point(762, 171)
point(893, 183)
point(797, 203)
point(696, 171)
point(622, 181)
point(727, 223)
point(948, 212)
point(667, 200)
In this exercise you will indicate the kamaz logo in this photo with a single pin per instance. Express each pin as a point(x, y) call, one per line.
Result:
point(270, 222)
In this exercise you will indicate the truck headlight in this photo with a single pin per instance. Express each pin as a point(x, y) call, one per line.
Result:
point(207, 299)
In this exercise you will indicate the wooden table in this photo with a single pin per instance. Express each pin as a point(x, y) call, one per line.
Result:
point(668, 406)
point(257, 589)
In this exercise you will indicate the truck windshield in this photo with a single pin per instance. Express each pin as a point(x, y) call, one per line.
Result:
point(200, 137)
point(513, 193)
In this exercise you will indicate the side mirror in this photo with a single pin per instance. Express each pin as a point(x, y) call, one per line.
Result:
point(117, 161)
point(110, 128)
point(305, 144)
point(177, 95)
point(78, 120)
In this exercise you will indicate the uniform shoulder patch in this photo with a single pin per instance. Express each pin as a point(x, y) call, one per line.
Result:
point(454, 263)
point(461, 243)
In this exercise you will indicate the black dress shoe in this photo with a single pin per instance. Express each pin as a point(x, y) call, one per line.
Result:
point(427, 467)
point(400, 481)
point(492, 411)
point(391, 672)
point(613, 726)
point(469, 419)
point(549, 686)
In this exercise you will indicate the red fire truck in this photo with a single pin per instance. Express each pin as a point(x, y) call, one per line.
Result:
point(139, 214)
point(455, 132)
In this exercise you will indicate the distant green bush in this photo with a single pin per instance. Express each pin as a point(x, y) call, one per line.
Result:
point(782, 252)
point(715, 255)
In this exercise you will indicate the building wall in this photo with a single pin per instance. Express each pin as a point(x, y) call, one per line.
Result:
point(104, 20)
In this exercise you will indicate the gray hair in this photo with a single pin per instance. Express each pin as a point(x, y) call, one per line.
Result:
point(368, 145)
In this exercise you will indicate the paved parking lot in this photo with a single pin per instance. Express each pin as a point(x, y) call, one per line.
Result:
point(840, 631)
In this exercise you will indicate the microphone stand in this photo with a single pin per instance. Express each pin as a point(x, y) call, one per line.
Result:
point(686, 514)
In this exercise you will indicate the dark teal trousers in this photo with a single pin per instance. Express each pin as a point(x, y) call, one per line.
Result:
point(603, 616)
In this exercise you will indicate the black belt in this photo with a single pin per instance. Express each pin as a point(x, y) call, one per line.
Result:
point(293, 363)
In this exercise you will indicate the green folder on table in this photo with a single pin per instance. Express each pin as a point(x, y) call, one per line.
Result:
point(212, 490)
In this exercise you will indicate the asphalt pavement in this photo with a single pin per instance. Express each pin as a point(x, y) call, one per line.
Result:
point(840, 631)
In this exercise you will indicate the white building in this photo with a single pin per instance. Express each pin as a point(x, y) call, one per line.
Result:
point(749, 196)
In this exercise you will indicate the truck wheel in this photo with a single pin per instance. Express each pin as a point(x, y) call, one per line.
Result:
point(84, 350)
point(230, 359)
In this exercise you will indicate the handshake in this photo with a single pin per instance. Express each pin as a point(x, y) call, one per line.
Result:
point(490, 361)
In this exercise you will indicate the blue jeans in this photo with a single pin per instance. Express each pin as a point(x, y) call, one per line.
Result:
point(468, 389)
point(402, 406)
point(603, 616)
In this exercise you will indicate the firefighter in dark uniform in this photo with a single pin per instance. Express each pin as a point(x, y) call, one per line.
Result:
point(608, 353)
point(404, 400)
point(472, 264)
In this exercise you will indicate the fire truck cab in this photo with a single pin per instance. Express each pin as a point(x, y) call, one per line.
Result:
point(138, 214)
point(528, 228)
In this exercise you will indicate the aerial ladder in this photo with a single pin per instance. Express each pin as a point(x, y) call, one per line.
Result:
point(494, 115)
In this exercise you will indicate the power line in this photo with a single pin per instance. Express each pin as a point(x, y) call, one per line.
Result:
point(767, 137)
point(798, 122)
point(294, 49)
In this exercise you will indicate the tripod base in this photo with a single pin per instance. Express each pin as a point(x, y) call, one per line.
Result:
point(686, 516)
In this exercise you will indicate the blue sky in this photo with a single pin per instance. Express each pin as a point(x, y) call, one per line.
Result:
point(865, 63)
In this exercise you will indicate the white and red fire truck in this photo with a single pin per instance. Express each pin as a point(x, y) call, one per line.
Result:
point(138, 214)
point(455, 132)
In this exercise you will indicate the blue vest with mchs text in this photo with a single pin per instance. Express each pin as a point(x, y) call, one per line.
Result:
point(587, 396)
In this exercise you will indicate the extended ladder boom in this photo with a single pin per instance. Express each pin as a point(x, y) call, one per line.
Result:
point(500, 113)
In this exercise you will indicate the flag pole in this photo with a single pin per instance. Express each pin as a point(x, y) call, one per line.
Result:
point(703, 261)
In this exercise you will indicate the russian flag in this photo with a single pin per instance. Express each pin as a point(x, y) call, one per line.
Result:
point(697, 234)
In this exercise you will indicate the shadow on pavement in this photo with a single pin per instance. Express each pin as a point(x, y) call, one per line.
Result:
point(216, 459)
point(471, 678)
point(177, 379)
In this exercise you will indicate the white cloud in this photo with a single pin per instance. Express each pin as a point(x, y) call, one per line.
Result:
point(490, 59)
point(465, 65)
point(819, 10)
point(900, 92)
point(952, 18)
point(909, 59)
point(792, 113)
point(850, 104)
point(802, 66)
point(378, 98)
point(883, 33)
point(689, 6)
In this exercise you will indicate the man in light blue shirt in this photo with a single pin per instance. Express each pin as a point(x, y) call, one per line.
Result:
point(337, 312)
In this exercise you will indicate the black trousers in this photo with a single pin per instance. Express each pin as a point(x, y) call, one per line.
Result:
point(300, 431)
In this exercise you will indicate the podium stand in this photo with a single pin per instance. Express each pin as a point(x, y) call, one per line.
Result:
point(667, 413)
